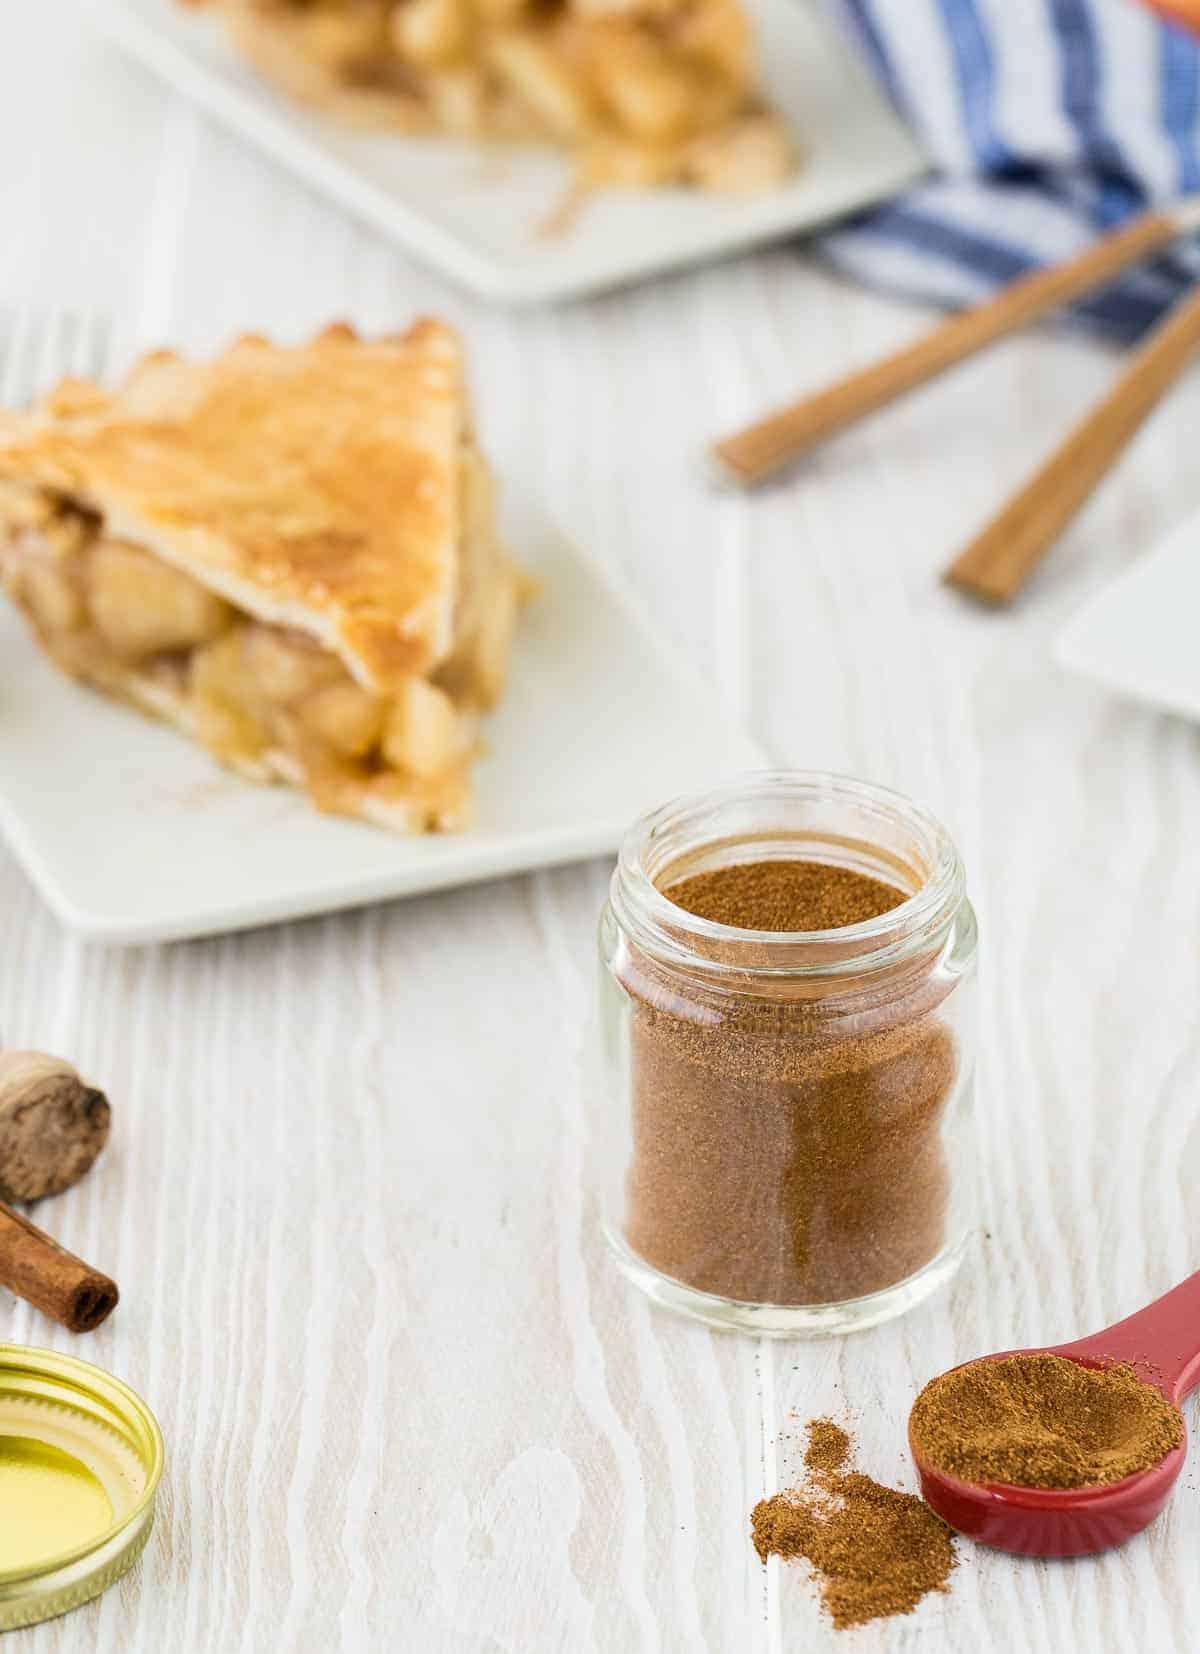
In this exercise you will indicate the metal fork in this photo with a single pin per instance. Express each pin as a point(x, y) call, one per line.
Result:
point(39, 347)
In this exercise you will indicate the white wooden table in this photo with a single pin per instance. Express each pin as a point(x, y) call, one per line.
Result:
point(409, 1404)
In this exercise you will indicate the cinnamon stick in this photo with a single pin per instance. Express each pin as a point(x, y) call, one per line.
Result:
point(46, 1275)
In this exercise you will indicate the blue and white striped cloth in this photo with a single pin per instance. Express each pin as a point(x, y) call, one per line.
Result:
point(1048, 121)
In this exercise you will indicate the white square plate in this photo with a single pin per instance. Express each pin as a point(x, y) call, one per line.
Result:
point(481, 217)
point(133, 834)
point(1139, 635)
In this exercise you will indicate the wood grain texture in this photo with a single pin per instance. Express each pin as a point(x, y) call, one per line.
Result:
point(757, 452)
point(350, 1194)
point(1002, 555)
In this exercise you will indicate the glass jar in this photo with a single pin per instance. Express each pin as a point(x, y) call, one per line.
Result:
point(785, 1128)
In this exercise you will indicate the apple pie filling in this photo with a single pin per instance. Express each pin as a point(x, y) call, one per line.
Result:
point(265, 699)
point(648, 92)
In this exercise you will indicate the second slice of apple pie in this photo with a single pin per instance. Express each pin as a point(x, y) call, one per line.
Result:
point(644, 92)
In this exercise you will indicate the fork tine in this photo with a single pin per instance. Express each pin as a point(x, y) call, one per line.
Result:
point(49, 352)
point(90, 356)
point(102, 333)
point(20, 353)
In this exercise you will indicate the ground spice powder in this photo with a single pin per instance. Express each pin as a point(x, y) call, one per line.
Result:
point(875, 1551)
point(785, 895)
point(828, 1446)
point(1043, 1421)
point(786, 1146)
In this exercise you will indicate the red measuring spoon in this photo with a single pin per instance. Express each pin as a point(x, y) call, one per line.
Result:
point(1163, 1342)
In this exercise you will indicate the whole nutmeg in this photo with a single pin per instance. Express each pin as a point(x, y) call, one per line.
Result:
point(52, 1125)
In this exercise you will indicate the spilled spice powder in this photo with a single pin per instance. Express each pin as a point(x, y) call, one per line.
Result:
point(787, 1136)
point(828, 1446)
point(1042, 1421)
point(875, 1552)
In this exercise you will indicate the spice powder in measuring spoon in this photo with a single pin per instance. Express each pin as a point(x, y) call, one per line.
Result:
point(1040, 1420)
point(786, 1147)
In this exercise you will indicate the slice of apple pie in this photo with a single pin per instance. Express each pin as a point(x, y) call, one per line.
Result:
point(288, 553)
point(646, 92)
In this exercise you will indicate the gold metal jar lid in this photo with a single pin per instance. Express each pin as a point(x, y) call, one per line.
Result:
point(81, 1456)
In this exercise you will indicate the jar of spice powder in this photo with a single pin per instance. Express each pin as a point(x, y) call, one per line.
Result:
point(787, 1042)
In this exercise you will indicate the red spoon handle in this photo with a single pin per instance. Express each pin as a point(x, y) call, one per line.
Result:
point(1164, 1337)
